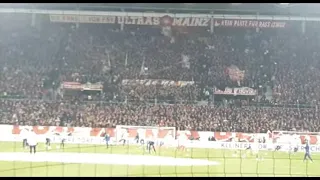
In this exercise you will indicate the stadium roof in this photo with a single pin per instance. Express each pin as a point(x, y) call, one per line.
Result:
point(311, 9)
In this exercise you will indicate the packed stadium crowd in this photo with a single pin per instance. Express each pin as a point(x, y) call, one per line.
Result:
point(38, 55)
point(184, 117)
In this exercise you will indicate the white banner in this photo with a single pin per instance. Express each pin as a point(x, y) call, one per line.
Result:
point(85, 135)
point(188, 144)
point(243, 91)
point(133, 20)
point(149, 82)
point(57, 139)
point(244, 145)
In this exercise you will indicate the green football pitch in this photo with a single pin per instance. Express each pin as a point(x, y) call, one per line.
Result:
point(227, 163)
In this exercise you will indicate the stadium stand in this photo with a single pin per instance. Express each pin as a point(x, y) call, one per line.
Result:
point(232, 77)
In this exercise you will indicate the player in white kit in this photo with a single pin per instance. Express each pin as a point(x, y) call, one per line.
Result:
point(124, 137)
point(32, 141)
point(255, 145)
point(293, 144)
point(307, 138)
point(297, 143)
point(142, 137)
point(167, 141)
point(182, 139)
point(255, 148)
point(234, 140)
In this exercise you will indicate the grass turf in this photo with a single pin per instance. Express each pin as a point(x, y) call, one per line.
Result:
point(274, 163)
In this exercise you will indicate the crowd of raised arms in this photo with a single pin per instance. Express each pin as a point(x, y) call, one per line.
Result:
point(281, 65)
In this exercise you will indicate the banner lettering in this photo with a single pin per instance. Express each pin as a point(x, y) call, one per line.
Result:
point(165, 20)
point(92, 87)
point(244, 145)
point(242, 91)
point(86, 135)
point(249, 23)
point(153, 82)
point(71, 85)
point(82, 87)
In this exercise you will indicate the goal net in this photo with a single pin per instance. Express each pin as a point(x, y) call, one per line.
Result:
point(164, 135)
point(287, 139)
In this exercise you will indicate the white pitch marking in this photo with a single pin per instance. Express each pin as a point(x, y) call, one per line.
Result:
point(116, 159)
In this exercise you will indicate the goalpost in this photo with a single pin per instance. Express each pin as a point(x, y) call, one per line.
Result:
point(164, 135)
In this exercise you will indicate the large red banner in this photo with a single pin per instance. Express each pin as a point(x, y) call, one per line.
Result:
point(100, 132)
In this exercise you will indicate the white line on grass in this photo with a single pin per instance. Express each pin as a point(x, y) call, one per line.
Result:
point(90, 158)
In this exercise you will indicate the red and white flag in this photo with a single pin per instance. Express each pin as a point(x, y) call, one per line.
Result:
point(235, 74)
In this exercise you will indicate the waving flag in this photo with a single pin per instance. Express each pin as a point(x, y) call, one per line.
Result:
point(235, 74)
